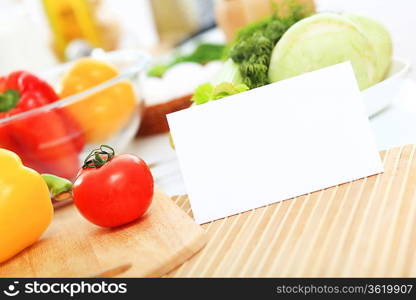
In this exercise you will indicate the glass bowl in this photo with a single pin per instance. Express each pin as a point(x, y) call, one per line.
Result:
point(57, 137)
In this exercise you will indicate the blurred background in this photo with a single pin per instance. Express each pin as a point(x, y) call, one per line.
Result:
point(45, 28)
point(38, 35)
point(50, 29)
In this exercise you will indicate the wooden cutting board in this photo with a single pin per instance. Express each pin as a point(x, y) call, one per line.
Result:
point(366, 228)
point(73, 247)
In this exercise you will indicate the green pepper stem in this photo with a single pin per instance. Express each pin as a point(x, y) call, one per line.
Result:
point(60, 188)
point(9, 100)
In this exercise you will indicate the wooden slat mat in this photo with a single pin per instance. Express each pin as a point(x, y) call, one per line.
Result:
point(363, 228)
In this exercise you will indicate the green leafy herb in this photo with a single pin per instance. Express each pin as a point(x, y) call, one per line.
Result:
point(203, 93)
point(226, 89)
point(158, 70)
point(207, 92)
point(203, 53)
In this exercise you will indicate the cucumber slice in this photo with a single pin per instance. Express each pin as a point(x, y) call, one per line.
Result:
point(320, 41)
point(380, 38)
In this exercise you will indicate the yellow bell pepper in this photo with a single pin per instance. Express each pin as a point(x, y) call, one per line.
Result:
point(25, 205)
point(104, 113)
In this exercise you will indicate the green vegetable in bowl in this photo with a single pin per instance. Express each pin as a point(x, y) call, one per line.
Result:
point(249, 55)
point(254, 44)
point(227, 82)
point(228, 73)
point(380, 39)
point(320, 41)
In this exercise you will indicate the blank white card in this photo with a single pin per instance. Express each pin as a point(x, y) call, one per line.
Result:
point(273, 143)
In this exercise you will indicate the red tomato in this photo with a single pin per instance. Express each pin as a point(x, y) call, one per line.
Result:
point(114, 191)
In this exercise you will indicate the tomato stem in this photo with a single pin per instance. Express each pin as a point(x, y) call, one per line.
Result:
point(99, 157)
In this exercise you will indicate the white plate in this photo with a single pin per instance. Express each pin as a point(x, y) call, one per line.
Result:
point(381, 95)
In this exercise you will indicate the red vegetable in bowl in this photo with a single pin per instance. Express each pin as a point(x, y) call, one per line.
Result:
point(113, 190)
point(47, 141)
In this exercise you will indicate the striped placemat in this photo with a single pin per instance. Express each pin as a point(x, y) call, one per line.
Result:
point(359, 229)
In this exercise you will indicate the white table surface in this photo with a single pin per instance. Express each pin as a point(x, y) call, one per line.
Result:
point(156, 151)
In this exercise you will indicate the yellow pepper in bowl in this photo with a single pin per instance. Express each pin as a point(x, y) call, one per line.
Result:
point(105, 112)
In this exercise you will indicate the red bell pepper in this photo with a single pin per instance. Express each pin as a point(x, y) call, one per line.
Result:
point(48, 141)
